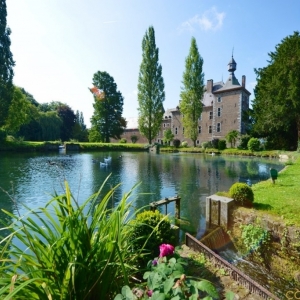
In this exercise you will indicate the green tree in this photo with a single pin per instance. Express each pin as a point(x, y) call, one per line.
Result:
point(150, 88)
point(168, 136)
point(6, 66)
point(20, 111)
point(68, 118)
point(51, 125)
point(276, 107)
point(107, 117)
point(192, 92)
point(231, 137)
point(80, 132)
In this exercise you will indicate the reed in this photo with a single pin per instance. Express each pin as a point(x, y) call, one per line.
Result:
point(69, 251)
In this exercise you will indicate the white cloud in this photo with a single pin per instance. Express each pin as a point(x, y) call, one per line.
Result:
point(209, 20)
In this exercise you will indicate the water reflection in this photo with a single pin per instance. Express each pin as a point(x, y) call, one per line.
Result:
point(30, 179)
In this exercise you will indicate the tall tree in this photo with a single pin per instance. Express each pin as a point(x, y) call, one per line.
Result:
point(6, 65)
point(150, 88)
point(68, 118)
point(276, 107)
point(192, 92)
point(107, 118)
point(80, 132)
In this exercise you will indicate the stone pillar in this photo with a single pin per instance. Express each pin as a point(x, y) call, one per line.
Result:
point(217, 210)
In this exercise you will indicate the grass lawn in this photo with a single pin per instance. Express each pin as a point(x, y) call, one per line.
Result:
point(281, 199)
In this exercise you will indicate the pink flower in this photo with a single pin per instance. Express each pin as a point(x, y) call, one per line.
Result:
point(165, 250)
point(149, 293)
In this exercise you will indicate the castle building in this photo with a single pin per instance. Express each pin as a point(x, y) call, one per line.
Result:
point(224, 105)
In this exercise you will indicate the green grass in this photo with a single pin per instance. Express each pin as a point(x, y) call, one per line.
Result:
point(281, 199)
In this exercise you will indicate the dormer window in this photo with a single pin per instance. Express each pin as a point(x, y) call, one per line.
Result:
point(219, 99)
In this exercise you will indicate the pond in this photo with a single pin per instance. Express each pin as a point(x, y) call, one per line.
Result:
point(32, 179)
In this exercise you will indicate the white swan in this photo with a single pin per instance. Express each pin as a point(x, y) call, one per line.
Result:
point(103, 164)
point(107, 160)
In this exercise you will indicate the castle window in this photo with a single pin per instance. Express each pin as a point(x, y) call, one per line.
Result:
point(219, 99)
point(164, 125)
point(176, 130)
point(182, 130)
point(198, 142)
point(219, 111)
point(200, 118)
point(209, 129)
point(218, 127)
point(199, 129)
point(210, 115)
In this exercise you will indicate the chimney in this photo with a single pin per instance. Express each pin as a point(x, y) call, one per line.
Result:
point(209, 85)
point(244, 81)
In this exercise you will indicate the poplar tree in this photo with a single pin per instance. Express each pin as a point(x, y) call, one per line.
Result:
point(6, 66)
point(107, 119)
point(150, 88)
point(192, 92)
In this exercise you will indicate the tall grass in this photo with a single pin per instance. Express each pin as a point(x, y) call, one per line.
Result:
point(69, 251)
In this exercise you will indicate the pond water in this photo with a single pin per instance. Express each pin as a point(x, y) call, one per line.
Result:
point(32, 179)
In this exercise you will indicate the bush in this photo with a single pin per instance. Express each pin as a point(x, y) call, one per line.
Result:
point(176, 143)
point(215, 143)
point(253, 144)
point(123, 141)
point(134, 138)
point(184, 144)
point(244, 139)
point(242, 193)
point(206, 145)
point(148, 222)
point(221, 145)
point(2, 135)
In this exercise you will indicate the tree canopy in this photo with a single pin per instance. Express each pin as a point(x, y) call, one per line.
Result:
point(107, 118)
point(6, 65)
point(192, 92)
point(151, 94)
point(276, 107)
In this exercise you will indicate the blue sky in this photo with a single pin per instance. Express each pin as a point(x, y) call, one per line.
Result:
point(59, 44)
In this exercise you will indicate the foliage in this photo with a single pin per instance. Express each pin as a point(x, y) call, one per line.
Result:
point(2, 135)
point(166, 279)
point(6, 65)
point(206, 145)
point(231, 137)
point(254, 237)
point(79, 131)
point(276, 109)
point(168, 136)
point(184, 144)
point(151, 94)
point(176, 143)
point(68, 118)
point(192, 92)
point(242, 193)
point(221, 145)
point(152, 230)
point(123, 141)
point(69, 250)
point(107, 117)
point(134, 138)
point(244, 139)
point(215, 143)
point(253, 144)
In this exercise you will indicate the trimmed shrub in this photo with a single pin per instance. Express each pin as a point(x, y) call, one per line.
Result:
point(206, 145)
point(253, 144)
point(134, 138)
point(244, 139)
point(242, 193)
point(221, 145)
point(176, 143)
point(123, 141)
point(149, 221)
point(215, 143)
point(184, 144)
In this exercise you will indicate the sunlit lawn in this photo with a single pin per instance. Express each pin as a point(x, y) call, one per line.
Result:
point(282, 198)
